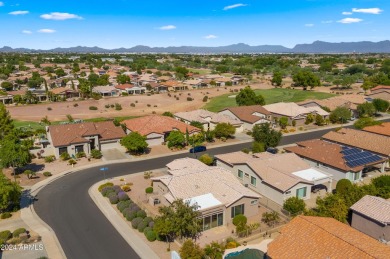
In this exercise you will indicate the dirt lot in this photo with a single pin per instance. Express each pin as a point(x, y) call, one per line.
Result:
point(158, 103)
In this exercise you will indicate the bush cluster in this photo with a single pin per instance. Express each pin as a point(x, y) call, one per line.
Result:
point(7, 236)
point(49, 159)
point(47, 174)
point(96, 154)
point(93, 108)
point(149, 190)
point(104, 185)
point(6, 215)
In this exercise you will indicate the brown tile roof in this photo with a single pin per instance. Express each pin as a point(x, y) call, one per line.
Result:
point(383, 129)
point(324, 152)
point(361, 139)
point(373, 207)
point(124, 86)
point(379, 87)
point(158, 124)
point(64, 135)
point(60, 90)
point(244, 113)
point(319, 237)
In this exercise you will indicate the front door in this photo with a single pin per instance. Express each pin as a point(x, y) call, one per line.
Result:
point(92, 143)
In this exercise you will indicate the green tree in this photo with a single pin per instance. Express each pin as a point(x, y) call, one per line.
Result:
point(6, 123)
point(45, 120)
point(206, 159)
point(168, 114)
point(191, 250)
point(122, 79)
point(248, 97)
point(277, 78)
point(381, 105)
point(283, 122)
point(265, 134)
point(258, 147)
point(13, 153)
point(365, 122)
point(294, 205)
point(340, 115)
point(224, 130)
point(10, 193)
point(134, 142)
point(240, 221)
point(214, 250)
point(319, 120)
point(270, 218)
point(197, 124)
point(7, 86)
point(333, 206)
point(176, 139)
point(70, 118)
point(306, 78)
point(366, 110)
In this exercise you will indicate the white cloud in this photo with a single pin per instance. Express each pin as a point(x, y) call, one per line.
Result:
point(18, 12)
point(1, 4)
point(233, 6)
point(350, 20)
point(309, 25)
point(325, 22)
point(211, 36)
point(26, 32)
point(46, 31)
point(367, 10)
point(167, 27)
point(346, 13)
point(60, 16)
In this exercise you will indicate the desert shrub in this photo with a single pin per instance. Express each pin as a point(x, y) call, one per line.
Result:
point(107, 190)
point(231, 245)
point(189, 99)
point(18, 231)
point(294, 205)
point(5, 235)
point(239, 220)
point(113, 198)
point(118, 107)
point(343, 186)
point(135, 222)
point(107, 106)
point(93, 108)
point(126, 188)
point(80, 154)
point(105, 185)
point(123, 205)
point(205, 98)
point(131, 215)
point(6, 215)
point(47, 174)
point(125, 94)
point(126, 211)
point(75, 105)
point(65, 156)
point(122, 196)
point(72, 162)
point(149, 190)
point(141, 226)
point(49, 108)
point(146, 230)
point(141, 214)
point(117, 189)
point(151, 236)
point(14, 241)
point(245, 150)
point(151, 224)
point(147, 220)
point(49, 159)
point(132, 104)
point(96, 153)
point(135, 207)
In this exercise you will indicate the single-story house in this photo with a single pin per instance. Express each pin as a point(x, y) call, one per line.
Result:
point(371, 215)
point(294, 112)
point(342, 162)
point(83, 137)
point(173, 86)
point(275, 176)
point(217, 193)
point(131, 89)
point(105, 90)
point(380, 92)
point(156, 128)
point(368, 141)
point(322, 237)
point(382, 129)
point(194, 83)
point(208, 119)
point(65, 92)
point(248, 115)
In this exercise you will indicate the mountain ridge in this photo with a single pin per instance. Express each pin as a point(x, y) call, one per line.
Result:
point(239, 48)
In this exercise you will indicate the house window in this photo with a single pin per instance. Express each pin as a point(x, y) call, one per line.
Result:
point(254, 202)
point(213, 221)
point(240, 174)
point(301, 192)
point(356, 176)
point(62, 150)
point(253, 181)
point(79, 149)
point(236, 210)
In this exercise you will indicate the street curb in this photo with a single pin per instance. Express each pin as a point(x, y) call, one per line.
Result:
point(128, 234)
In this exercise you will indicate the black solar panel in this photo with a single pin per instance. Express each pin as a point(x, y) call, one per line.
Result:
point(357, 157)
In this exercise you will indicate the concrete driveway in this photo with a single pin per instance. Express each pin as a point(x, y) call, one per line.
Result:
point(113, 154)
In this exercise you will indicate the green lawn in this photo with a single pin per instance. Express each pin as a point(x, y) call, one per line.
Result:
point(270, 95)
point(200, 71)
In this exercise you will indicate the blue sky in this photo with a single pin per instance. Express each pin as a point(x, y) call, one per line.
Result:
point(47, 24)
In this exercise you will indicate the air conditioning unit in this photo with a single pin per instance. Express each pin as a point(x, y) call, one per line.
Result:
point(246, 185)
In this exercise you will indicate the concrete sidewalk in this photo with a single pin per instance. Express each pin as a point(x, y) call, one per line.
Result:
point(139, 246)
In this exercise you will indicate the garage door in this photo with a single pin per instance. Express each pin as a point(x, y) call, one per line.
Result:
point(154, 141)
point(109, 145)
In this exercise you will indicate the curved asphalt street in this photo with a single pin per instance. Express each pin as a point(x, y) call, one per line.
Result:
point(82, 230)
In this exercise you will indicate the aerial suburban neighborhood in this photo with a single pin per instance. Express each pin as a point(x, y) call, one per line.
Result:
point(222, 151)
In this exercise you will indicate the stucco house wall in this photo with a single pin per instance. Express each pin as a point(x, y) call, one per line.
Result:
point(370, 227)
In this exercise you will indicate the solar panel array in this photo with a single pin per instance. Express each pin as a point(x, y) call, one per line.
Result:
point(357, 157)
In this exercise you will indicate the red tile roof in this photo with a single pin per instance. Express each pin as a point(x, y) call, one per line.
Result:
point(383, 129)
point(244, 113)
point(380, 87)
point(67, 134)
point(124, 86)
point(320, 237)
point(158, 124)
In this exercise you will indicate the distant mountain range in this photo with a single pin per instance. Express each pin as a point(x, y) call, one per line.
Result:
point(315, 47)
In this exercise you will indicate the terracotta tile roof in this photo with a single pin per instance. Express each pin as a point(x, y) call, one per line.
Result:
point(64, 135)
point(193, 181)
point(204, 116)
point(158, 124)
point(245, 113)
point(319, 237)
point(276, 170)
point(324, 152)
point(361, 139)
point(380, 87)
point(373, 207)
point(124, 86)
point(383, 129)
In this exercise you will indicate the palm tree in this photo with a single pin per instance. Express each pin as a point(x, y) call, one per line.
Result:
point(45, 120)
